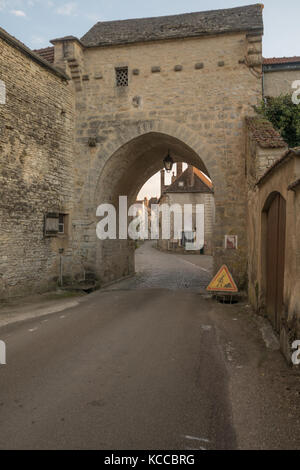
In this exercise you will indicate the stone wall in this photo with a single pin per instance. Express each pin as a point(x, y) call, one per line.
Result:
point(36, 138)
point(264, 146)
point(187, 95)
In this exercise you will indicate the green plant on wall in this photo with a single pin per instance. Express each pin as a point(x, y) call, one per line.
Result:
point(284, 115)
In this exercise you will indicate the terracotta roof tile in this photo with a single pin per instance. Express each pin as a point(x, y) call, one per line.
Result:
point(203, 177)
point(47, 53)
point(280, 60)
point(264, 133)
point(201, 183)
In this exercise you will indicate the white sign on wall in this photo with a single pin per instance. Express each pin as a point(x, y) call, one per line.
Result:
point(231, 242)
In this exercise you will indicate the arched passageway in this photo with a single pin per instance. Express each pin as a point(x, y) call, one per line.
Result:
point(124, 174)
point(122, 166)
point(133, 164)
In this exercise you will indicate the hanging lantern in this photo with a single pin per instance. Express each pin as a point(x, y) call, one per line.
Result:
point(168, 163)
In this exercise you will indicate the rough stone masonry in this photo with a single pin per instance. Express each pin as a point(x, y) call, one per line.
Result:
point(137, 89)
point(36, 151)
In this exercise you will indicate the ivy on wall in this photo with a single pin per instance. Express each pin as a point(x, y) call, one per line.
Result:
point(284, 115)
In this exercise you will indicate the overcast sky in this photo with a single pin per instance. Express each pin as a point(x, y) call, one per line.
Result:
point(35, 22)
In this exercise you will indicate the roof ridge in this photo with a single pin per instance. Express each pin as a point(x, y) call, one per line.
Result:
point(216, 10)
point(43, 48)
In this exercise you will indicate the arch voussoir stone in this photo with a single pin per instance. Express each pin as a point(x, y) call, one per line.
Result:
point(139, 128)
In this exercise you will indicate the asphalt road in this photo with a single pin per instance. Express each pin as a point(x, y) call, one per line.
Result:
point(137, 367)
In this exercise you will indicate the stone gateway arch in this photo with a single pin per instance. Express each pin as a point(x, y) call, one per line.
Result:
point(190, 80)
point(117, 100)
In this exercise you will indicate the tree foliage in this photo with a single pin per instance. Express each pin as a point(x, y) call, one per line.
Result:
point(285, 117)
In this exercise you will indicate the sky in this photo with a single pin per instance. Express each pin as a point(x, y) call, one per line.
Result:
point(35, 22)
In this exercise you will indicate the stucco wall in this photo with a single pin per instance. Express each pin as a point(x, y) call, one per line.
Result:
point(280, 82)
point(278, 181)
point(36, 137)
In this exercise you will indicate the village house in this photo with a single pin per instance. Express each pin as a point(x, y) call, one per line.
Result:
point(279, 75)
point(189, 187)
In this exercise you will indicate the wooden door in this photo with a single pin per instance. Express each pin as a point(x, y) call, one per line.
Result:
point(276, 227)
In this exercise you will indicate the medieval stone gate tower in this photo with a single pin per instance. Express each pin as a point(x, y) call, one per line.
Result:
point(142, 87)
point(183, 83)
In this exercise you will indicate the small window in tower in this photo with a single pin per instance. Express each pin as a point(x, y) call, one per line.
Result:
point(61, 224)
point(122, 76)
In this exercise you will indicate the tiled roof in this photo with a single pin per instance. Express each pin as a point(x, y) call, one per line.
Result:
point(264, 133)
point(203, 177)
point(47, 53)
point(201, 184)
point(247, 18)
point(281, 60)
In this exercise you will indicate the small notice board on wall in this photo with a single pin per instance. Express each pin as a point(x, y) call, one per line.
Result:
point(231, 242)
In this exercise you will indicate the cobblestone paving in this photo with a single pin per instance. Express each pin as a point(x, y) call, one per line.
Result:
point(156, 269)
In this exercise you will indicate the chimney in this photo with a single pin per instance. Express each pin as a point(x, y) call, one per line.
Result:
point(179, 169)
point(191, 176)
point(162, 181)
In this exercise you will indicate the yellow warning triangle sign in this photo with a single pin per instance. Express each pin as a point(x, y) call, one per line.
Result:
point(223, 282)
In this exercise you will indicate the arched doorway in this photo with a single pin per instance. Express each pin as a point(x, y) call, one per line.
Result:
point(275, 218)
point(121, 167)
point(124, 174)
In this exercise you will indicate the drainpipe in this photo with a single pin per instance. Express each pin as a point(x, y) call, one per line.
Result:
point(61, 251)
point(263, 82)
